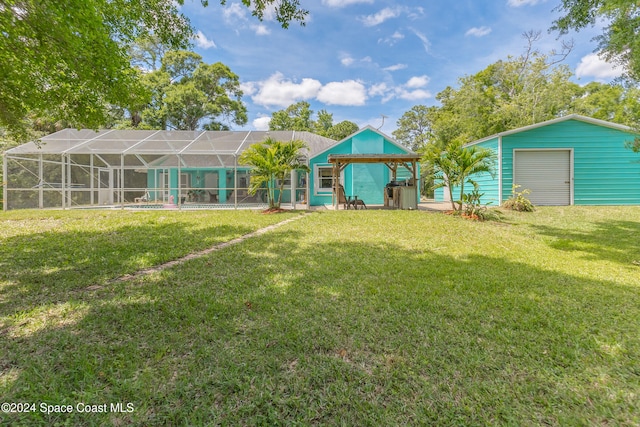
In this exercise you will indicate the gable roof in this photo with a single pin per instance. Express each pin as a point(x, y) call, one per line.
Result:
point(368, 128)
point(577, 117)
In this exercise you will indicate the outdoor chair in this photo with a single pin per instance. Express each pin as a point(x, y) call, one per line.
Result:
point(213, 197)
point(145, 198)
point(347, 202)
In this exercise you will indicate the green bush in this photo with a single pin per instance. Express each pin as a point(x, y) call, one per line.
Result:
point(518, 200)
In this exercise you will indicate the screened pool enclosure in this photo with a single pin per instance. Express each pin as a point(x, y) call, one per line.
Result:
point(144, 169)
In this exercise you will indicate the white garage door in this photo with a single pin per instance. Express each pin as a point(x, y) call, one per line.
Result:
point(547, 173)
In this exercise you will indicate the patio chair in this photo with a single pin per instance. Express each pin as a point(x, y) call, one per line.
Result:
point(213, 197)
point(346, 201)
point(145, 198)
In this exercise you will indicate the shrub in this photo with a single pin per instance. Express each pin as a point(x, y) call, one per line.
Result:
point(474, 210)
point(518, 200)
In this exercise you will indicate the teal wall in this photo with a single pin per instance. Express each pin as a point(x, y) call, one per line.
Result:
point(367, 181)
point(604, 172)
point(488, 183)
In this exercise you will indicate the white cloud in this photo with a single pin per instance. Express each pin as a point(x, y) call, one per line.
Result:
point(261, 30)
point(203, 42)
point(343, 3)
point(417, 82)
point(347, 60)
point(518, 3)
point(380, 17)
point(348, 92)
point(594, 66)
point(378, 89)
point(395, 67)
point(413, 90)
point(248, 88)
point(392, 39)
point(478, 31)
point(262, 122)
point(425, 41)
point(278, 91)
point(413, 95)
point(234, 11)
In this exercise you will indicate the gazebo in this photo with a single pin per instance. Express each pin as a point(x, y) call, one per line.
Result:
point(404, 196)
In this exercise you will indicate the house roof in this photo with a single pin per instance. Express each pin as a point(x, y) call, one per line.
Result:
point(577, 117)
point(162, 142)
point(367, 128)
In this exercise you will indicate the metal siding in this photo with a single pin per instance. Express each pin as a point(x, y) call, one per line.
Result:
point(489, 185)
point(604, 171)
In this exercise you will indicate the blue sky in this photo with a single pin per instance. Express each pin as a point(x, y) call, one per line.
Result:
point(361, 59)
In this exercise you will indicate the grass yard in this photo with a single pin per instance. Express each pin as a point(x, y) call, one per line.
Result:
point(338, 318)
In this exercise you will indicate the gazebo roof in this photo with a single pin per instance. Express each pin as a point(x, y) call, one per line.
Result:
point(373, 158)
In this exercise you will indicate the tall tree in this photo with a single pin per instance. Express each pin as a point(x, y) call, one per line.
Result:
point(298, 116)
point(295, 117)
point(185, 93)
point(619, 42)
point(69, 60)
point(414, 127)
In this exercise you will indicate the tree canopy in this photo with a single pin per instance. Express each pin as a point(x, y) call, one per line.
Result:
point(619, 43)
point(513, 93)
point(71, 61)
point(298, 116)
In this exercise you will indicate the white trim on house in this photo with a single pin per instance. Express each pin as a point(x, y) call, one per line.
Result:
point(317, 190)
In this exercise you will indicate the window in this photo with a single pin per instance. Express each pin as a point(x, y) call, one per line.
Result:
point(324, 179)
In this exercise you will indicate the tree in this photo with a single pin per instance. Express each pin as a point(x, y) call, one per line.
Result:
point(610, 102)
point(295, 117)
point(285, 11)
point(341, 130)
point(185, 93)
point(414, 127)
point(455, 164)
point(619, 42)
point(69, 60)
point(298, 116)
point(272, 161)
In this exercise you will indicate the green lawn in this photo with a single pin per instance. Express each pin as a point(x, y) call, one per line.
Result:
point(338, 318)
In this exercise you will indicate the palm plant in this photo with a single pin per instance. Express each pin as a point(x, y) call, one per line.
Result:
point(273, 161)
point(455, 164)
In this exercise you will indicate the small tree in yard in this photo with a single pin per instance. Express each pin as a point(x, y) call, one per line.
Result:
point(272, 161)
point(454, 165)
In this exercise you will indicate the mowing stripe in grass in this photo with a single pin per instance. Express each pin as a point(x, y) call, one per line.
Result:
point(198, 254)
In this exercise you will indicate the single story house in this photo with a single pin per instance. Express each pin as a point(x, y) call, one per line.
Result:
point(199, 169)
point(571, 160)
